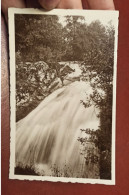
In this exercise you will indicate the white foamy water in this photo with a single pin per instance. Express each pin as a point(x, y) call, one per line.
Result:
point(48, 135)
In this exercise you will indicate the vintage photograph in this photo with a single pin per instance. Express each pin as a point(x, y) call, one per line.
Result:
point(63, 95)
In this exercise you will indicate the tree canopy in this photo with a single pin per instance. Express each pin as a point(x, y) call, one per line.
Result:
point(42, 42)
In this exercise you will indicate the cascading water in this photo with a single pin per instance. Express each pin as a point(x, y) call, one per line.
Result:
point(48, 136)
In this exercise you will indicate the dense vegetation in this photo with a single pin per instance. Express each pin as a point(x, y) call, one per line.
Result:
point(42, 42)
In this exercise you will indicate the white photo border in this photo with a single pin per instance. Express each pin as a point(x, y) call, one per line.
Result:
point(89, 13)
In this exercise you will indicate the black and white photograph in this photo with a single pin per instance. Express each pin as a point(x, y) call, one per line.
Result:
point(63, 95)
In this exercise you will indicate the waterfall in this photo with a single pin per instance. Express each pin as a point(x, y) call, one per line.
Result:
point(48, 137)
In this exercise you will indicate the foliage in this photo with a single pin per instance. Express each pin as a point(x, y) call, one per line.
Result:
point(42, 42)
point(57, 171)
point(89, 145)
point(100, 75)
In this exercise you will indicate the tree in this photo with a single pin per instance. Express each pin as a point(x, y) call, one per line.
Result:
point(39, 49)
point(101, 58)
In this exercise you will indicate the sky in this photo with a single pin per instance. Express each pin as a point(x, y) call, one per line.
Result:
point(91, 15)
point(103, 17)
